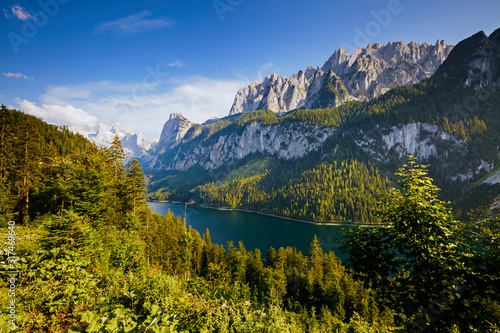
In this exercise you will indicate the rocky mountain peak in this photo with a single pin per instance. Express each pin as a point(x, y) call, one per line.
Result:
point(365, 74)
point(176, 116)
point(133, 142)
point(495, 37)
point(310, 71)
point(174, 130)
point(337, 61)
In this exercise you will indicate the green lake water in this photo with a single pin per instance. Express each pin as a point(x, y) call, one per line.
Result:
point(255, 230)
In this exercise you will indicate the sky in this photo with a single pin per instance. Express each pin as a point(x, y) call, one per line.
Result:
point(74, 62)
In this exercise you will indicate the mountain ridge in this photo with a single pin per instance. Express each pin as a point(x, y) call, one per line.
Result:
point(367, 73)
point(479, 57)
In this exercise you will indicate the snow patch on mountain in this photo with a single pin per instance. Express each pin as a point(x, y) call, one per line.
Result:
point(133, 142)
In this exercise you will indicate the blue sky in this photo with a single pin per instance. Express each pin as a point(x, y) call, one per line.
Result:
point(88, 62)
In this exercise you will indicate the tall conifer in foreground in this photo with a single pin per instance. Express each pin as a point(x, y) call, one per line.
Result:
point(419, 246)
point(134, 186)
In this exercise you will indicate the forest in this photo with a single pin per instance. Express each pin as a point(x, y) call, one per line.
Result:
point(329, 192)
point(82, 251)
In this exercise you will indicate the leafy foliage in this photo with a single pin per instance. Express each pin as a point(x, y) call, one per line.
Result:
point(420, 249)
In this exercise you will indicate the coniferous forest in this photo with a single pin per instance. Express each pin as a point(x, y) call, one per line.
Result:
point(84, 253)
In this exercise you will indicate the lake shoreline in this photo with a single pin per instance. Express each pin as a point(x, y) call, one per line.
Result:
point(340, 223)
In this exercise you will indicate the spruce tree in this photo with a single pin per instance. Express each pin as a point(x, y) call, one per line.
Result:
point(115, 159)
point(134, 186)
point(28, 154)
point(88, 187)
point(5, 194)
point(419, 241)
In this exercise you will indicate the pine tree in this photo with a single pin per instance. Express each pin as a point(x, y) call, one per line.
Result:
point(425, 228)
point(134, 188)
point(88, 187)
point(419, 241)
point(271, 258)
point(5, 205)
point(65, 230)
point(254, 269)
point(29, 155)
point(207, 238)
point(315, 251)
point(116, 157)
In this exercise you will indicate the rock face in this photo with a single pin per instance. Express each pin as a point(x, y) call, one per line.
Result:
point(133, 142)
point(419, 139)
point(493, 179)
point(367, 73)
point(475, 62)
point(285, 141)
point(423, 141)
point(174, 130)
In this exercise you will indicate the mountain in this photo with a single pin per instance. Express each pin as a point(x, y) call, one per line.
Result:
point(286, 141)
point(133, 142)
point(476, 63)
point(174, 130)
point(332, 163)
point(367, 73)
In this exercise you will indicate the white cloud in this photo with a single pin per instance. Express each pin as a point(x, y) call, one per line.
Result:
point(17, 75)
point(200, 98)
point(59, 114)
point(147, 107)
point(20, 12)
point(87, 91)
point(177, 63)
point(134, 23)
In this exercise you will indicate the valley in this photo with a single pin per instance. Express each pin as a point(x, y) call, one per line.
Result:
point(448, 120)
point(362, 196)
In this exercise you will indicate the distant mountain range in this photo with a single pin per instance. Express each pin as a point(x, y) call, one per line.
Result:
point(134, 143)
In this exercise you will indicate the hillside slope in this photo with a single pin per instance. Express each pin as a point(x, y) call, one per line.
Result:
point(27, 146)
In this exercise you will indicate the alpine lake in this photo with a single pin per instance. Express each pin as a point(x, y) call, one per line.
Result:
point(253, 229)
